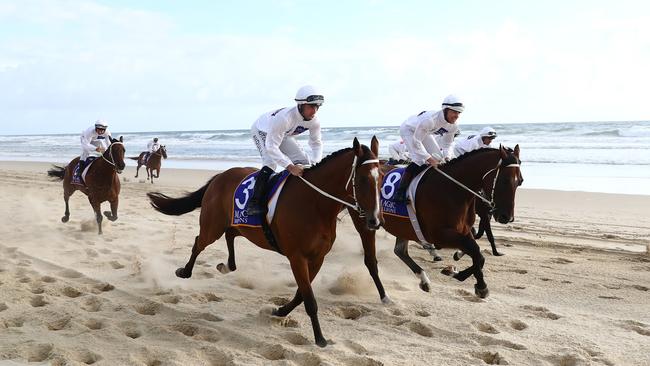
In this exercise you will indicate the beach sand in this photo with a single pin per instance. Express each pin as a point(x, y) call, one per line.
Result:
point(572, 289)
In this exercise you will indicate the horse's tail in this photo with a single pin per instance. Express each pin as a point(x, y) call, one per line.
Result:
point(57, 172)
point(178, 206)
point(134, 157)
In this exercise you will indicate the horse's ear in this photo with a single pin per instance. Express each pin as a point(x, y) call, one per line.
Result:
point(517, 151)
point(503, 152)
point(374, 145)
point(121, 138)
point(357, 147)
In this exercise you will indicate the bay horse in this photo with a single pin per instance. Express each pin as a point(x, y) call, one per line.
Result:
point(304, 224)
point(154, 162)
point(445, 210)
point(101, 183)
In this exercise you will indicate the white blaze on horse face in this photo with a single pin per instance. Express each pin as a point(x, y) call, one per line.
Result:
point(375, 174)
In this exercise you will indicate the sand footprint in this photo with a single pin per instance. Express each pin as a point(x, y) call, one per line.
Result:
point(35, 352)
point(560, 260)
point(468, 296)
point(491, 341)
point(3, 306)
point(116, 265)
point(91, 304)
point(147, 307)
point(635, 326)
point(70, 292)
point(274, 352)
point(350, 312)
point(541, 312)
point(518, 325)
point(420, 328)
point(515, 287)
point(266, 316)
point(60, 322)
point(38, 301)
point(485, 328)
point(94, 324)
point(297, 339)
point(48, 279)
point(85, 356)
point(490, 358)
point(355, 347)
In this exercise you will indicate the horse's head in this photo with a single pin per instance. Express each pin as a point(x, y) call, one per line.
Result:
point(367, 182)
point(504, 185)
point(115, 154)
point(163, 151)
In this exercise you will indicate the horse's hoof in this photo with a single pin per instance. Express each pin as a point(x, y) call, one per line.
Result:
point(449, 271)
point(482, 293)
point(458, 255)
point(109, 215)
point(182, 273)
point(223, 268)
point(65, 219)
point(276, 312)
point(321, 342)
point(387, 300)
point(497, 254)
point(437, 258)
point(425, 287)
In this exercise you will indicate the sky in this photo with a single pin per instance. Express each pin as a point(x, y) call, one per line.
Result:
point(209, 65)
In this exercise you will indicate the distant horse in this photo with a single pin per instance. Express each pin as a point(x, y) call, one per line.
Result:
point(445, 210)
point(102, 182)
point(154, 162)
point(305, 219)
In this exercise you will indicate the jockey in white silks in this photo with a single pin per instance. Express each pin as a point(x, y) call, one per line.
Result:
point(94, 141)
point(152, 147)
point(483, 139)
point(273, 136)
point(429, 138)
point(398, 151)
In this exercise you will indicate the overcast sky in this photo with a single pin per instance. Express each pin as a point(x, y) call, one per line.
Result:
point(195, 65)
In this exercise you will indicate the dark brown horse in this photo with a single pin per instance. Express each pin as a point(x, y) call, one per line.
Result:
point(102, 182)
point(154, 162)
point(446, 213)
point(304, 224)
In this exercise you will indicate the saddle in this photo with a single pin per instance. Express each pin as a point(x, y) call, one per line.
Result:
point(80, 179)
point(244, 191)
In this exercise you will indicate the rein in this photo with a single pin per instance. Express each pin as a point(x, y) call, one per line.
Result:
point(110, 152)
point(356, 206)
point(494, 183)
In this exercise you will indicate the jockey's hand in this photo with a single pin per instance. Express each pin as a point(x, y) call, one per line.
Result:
point(295, 169)
point(433, 162)
point(100, 149)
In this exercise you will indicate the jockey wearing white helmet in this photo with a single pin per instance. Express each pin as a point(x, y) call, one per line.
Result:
point(483, 139)
point(429, 137)
point(273, 134)
point(94, 140)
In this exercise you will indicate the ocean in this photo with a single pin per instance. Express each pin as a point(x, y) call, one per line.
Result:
point(609, 157)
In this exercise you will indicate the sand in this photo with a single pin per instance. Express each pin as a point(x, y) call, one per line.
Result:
point(572, 289)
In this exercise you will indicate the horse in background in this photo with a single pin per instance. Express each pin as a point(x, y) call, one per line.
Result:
point(445, 210)
point(304, 224)
point(101, 183)
point(154, 162)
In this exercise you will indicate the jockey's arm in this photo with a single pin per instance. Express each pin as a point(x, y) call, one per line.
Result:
point(315, 143)
point(273, 140)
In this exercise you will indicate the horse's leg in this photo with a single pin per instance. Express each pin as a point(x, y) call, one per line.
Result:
point(402, 251)
point(488, 231)
point(98, 215)
point(471, 248)
point(137, 170)
point(230, 242)
point(112, 214)
point(186, 272)
point(304, 271)
point(66, 197)
point(207, 235)
point(370, 257)
point(297, 299)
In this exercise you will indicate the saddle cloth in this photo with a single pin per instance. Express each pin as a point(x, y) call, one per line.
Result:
point(244, 191)
point(401, 209)
point(75, 179)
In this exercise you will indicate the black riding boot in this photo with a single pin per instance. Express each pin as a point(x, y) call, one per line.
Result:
point(409, 173)
point(256, 204)
point(82, 165)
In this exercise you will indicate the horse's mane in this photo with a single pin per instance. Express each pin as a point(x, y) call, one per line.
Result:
point(455, 160)
point(329, 157)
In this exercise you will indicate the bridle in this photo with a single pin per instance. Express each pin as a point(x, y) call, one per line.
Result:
point(110, 153)
point(353, 173)
point(490, 202)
